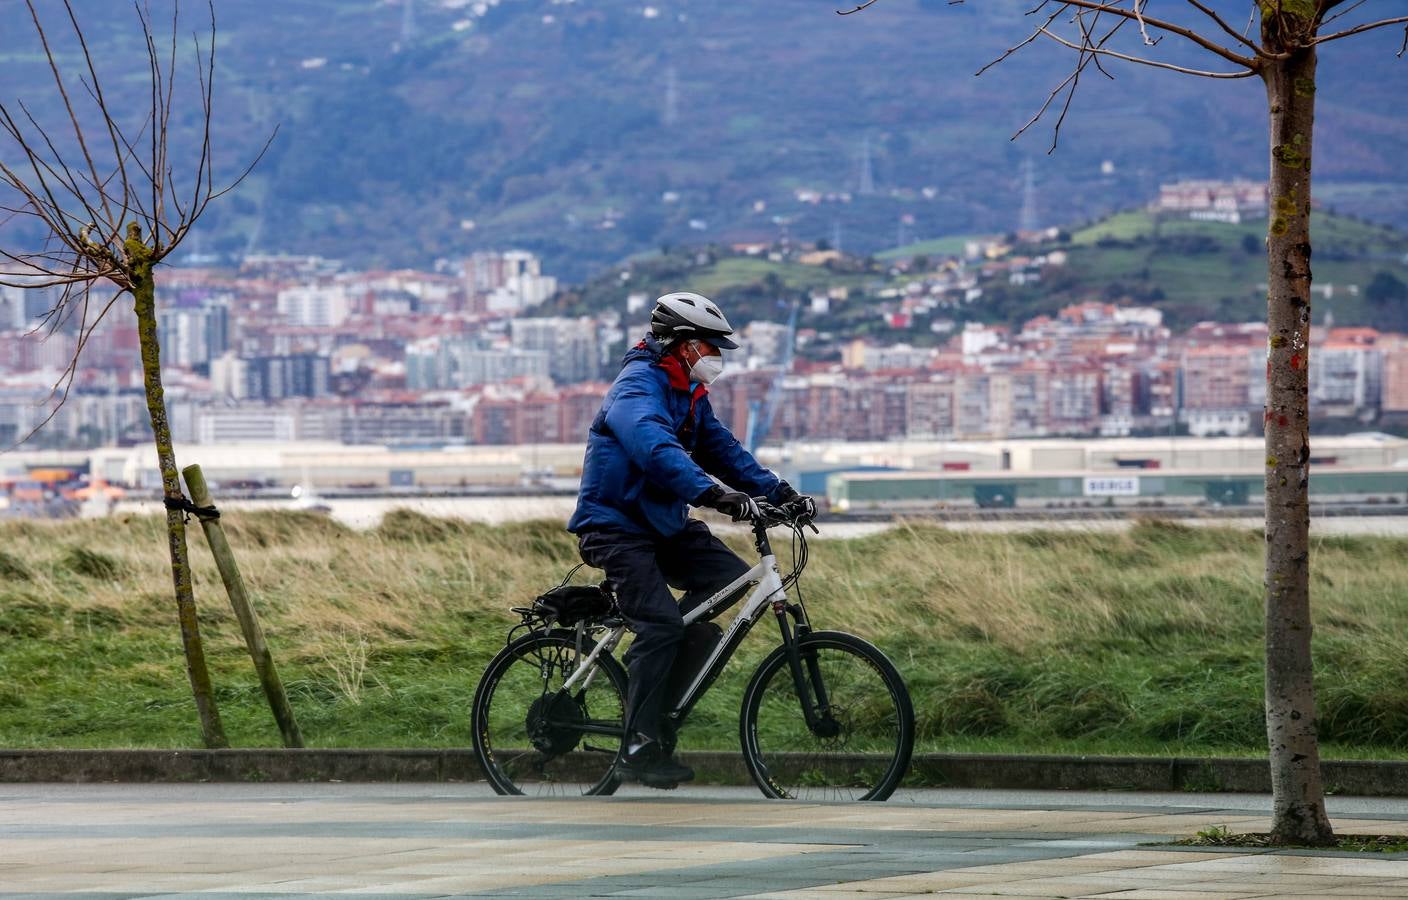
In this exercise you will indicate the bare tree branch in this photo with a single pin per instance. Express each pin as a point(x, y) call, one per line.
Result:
point(88, 211)
point(1249, 71)
point(247, 171)
point(1113, 7)
point(158, 131)
point(1086, 34)
point(63, 92)
point(1360, 29)
point(167, 172)
point(95, 90)
point(1070, 82)
point(206, 166)
point(1138, 10)
point(134, 155)
point(1018, 46)
point(1240, 37)
point(41, 204)
point(1085, 59)
point(64, 385)
point(63, 175)
point(866, 5)
point(1344, 12)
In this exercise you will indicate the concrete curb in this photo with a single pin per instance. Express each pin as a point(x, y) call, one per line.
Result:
point(1368, 778)
point(1345, 777)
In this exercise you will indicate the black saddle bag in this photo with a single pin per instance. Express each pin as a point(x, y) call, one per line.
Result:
point(569, 604)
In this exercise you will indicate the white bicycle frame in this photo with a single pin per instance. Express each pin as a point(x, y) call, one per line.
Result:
point(768, 592)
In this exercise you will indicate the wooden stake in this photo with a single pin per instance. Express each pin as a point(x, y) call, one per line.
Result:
point(244, 611)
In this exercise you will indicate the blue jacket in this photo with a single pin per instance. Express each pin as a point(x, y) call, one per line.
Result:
point(652, 448)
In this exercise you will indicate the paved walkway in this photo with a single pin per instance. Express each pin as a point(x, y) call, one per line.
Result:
point(431, 841)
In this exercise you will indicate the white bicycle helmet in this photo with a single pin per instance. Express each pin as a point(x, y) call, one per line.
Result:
point(684, 315)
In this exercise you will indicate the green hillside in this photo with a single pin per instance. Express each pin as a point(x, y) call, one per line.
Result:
point(945, 246)
point(1207, 270)
point(1193, 271)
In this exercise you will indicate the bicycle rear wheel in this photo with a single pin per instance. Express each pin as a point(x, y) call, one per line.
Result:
point(531, 736)
point(859, 745)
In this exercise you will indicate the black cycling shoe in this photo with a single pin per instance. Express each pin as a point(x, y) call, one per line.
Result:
point(649, 766)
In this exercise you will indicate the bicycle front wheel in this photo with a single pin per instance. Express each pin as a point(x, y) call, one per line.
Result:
point(858, 743)
point(534, 737)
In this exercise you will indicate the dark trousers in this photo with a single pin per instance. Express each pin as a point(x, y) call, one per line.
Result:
point(641, 570)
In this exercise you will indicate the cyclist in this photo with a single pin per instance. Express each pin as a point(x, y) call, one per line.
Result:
point(650, 453)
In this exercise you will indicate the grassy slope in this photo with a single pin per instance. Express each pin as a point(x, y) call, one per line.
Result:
point(945, 246)
point(1205, 270)
point(1132, 249)
point(741, 272)
point(1145, 642)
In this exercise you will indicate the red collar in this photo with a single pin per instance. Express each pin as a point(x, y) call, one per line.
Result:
point(679, 380)
point(674, 368)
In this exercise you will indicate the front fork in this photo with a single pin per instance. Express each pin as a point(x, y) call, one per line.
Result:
point(805, 669)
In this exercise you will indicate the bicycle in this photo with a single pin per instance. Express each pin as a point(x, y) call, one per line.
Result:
point(825, 715)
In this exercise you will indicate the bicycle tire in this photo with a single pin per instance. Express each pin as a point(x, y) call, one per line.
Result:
point(867, 755)
point(536, 744)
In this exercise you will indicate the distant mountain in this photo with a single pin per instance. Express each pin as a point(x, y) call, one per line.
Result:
point(589, 130)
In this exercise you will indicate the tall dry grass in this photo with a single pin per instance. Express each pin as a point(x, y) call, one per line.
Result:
point(1146, 638)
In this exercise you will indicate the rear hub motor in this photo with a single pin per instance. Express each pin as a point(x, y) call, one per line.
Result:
point(554, 723)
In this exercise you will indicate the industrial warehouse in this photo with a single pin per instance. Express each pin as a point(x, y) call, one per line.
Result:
point(903, 477)
point(1055, 474)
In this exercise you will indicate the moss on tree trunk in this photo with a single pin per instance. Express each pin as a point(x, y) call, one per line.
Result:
point(139, 259)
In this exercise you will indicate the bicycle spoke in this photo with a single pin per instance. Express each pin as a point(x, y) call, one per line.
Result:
point(529, 733)
point(857, 745)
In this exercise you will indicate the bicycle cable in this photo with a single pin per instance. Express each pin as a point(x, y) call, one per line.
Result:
point(800, 553)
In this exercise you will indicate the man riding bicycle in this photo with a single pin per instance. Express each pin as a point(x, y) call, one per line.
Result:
point(650, 454)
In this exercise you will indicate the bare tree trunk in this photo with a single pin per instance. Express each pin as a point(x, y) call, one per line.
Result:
point(1298, 793)
point(139, 256)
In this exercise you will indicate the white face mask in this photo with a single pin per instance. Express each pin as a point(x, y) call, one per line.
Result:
point(706, 368)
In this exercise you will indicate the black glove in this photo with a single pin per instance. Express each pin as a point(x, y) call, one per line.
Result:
point(800, 506)
point(737, 505)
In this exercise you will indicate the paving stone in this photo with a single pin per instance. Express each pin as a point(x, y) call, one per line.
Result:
point(1143, 894)
point(176, 843)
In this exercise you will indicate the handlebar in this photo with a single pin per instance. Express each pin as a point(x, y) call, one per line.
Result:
point(797, 515)
point(770, 516)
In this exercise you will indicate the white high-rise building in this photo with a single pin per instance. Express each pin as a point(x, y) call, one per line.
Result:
point(571, 345)
point(193, 336)
point(1346, 377)
point(319, 306)
point(227, 376)
point(764, 343)
point(508, 282)
point(494, 366)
